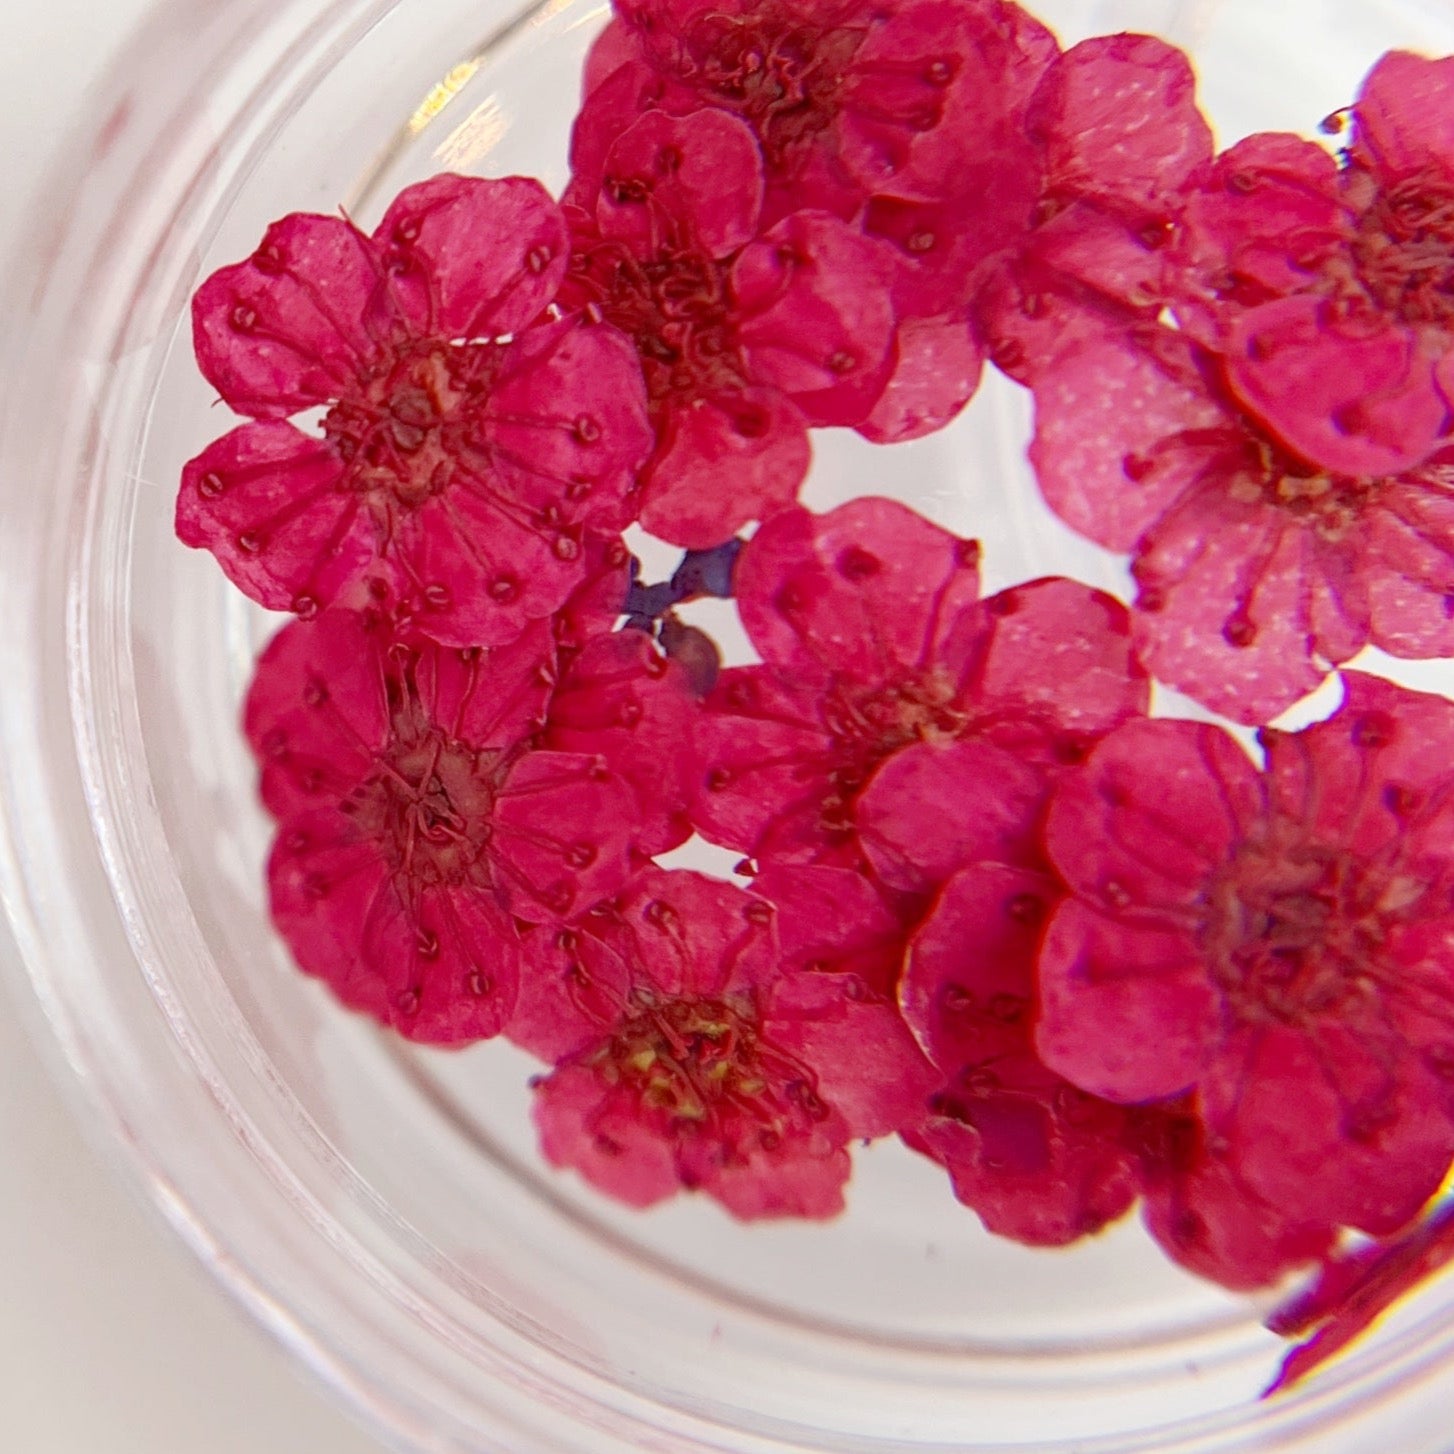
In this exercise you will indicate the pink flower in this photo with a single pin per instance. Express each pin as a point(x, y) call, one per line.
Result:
point(876, 647)
point(1038, 1159)
point(1122, 133)
point(1330, 284)
point(467, 450)
point(1257, 570)
point(687, 1055)
point(419, 819)
point(745, 340)
point(1279, 943)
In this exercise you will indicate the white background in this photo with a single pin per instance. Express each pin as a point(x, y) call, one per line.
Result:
point(112, 1340)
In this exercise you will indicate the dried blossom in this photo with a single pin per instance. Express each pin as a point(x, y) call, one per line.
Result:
point(467, 450)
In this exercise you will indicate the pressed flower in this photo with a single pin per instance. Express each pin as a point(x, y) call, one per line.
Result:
point(418, 818)
point(467, 450)
point(1277, 943)
point(1329, 283)
point(687, 1055)
point(1257, 570)
point(1355, 1288)
point(874, 641)
point(1121, 131)
point(745, 340)
point(1038, 1159)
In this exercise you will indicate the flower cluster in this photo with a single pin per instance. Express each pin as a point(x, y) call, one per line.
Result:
point(1080, 956)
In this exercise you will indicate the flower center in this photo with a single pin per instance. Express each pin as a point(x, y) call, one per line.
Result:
point(699, 1060)
point(781, 76)
point(429, 807)
point(1331, 505)
point(402, 432)
point(674, 308)
point(1296, 929)
point(1403, 246)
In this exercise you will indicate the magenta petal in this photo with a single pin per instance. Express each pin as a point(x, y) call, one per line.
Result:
point(1408, 570)
point(1405, 122)
point(474, 572)
point(564, 825)
point(802, 1177)
point(566, 426)
point(834, 921)
point(931, 810)
point(489, 255)
point(1121, 118)
point(1056, 649)
point(572, 987)
point(584, 1125)
point(287, 329)
point(1291, 1117)
point(621, 700)
point(1156, 808)
point(705, 168)
point(817, 322)
point(1126, 1012)
point(330, 896)
point(937, 367)
point(1355, 395)
point(864, 592)
point(868, 1066)
point(1229, 598)
point(313, 728)
point(1101, 415)
point(969, 978)
point(694, 935)
point(723, 462)
point(763, 753)
point(265, 500)
point(493, 700)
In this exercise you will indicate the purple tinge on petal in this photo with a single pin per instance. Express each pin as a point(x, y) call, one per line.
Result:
point(1155, 809)
point(702, 170)
point(1355, 394)
point(930, 810)
point(474, 258)
point(1127, 1011)
point(288, 328)
point(1405, 121)
point(816, 318)
point(1120, 118)
point(313, 728)
point(265, 500)
point(936, 370)
point(722, 462)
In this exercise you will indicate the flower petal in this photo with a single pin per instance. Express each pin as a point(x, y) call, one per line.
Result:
point(816, 319)
point(1156, 808)
point(1126, 1012)
point(265, 500)
point(930, 810)
point(723, 462)
point(314, 729)
point(475, 258)
point(937, 366)
point(1404, 120)
point(289, 328)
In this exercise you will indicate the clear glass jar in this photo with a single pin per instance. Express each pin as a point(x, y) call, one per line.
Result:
point(382, 1208)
